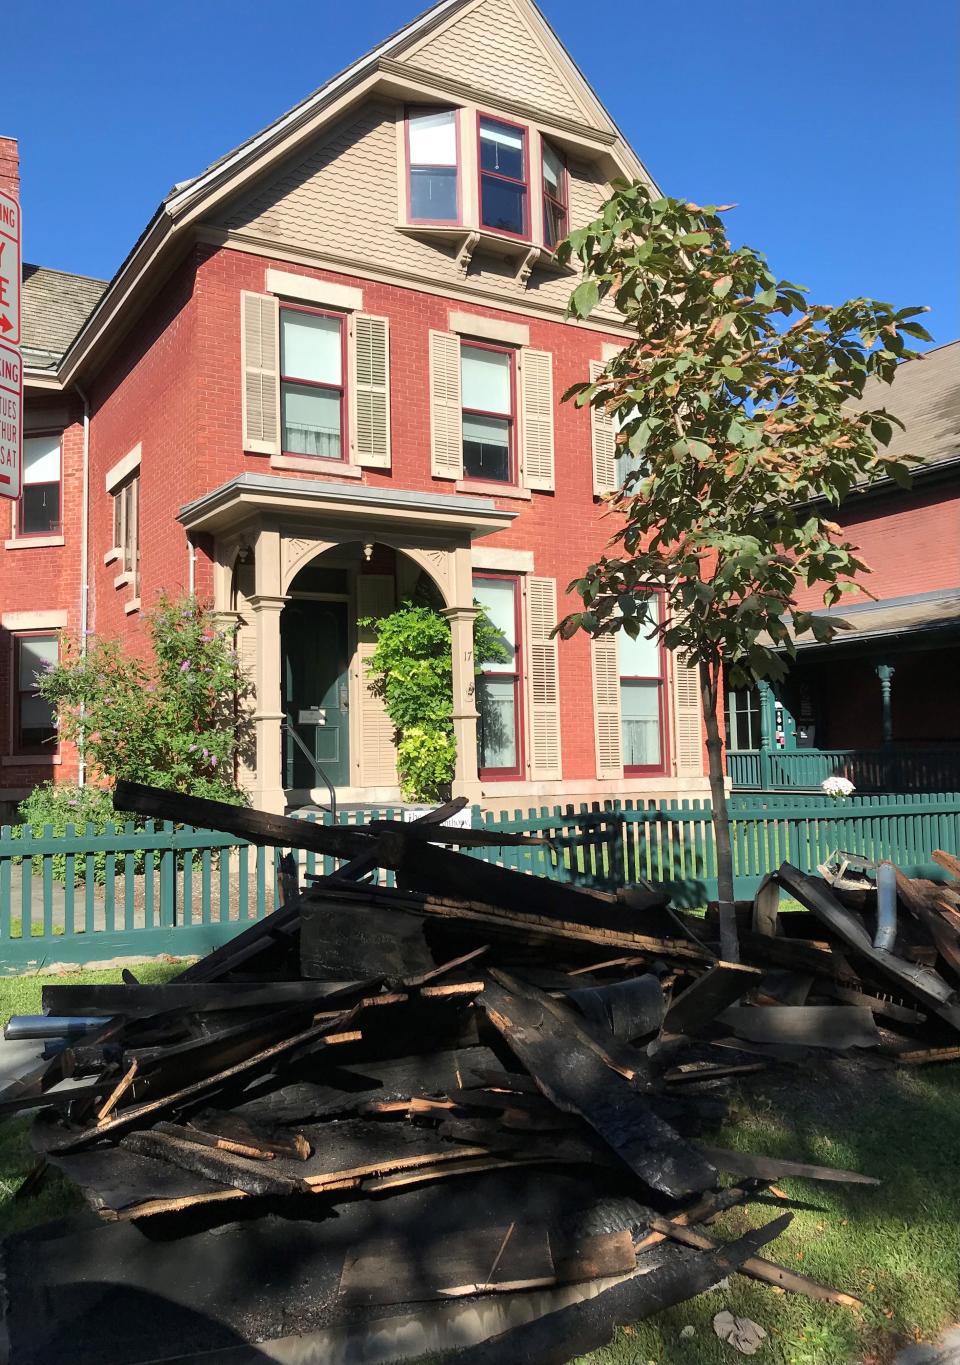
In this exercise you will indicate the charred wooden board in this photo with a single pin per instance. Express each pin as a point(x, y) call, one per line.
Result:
point(719, 987)
point(574, 1078)
point(920, 983)
point(777, 1168)
point(341, 939)
point(834, 1026)
point(560, 1336)
point(190, 997)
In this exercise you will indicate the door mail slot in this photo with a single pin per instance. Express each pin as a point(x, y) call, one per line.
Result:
point(312, 715)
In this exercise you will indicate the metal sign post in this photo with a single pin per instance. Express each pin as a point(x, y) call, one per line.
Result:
point(11, 361)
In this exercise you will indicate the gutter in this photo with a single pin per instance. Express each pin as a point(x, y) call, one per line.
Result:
point(84, 564)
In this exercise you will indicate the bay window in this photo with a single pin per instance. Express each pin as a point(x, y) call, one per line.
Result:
point(432, 146)
point(36, 730)
point(641, 695)
point(503, 177)
point(39, 506)
point(499, 696)
point(311, 383)
point(487, 395)
point(556, 213)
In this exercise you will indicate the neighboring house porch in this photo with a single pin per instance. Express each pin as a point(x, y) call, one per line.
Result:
point(879, 705)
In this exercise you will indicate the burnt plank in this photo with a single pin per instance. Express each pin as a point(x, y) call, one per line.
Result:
point(231, 1128)
point(224, 1168)
point(188, 997)
point(777, 1168)
point(921, 983)
point(834, 1026)
point(573, 1077)
point(700, 1003)
point(558, 1337)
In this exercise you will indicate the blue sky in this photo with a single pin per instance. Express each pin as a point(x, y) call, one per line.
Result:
point(832, 124)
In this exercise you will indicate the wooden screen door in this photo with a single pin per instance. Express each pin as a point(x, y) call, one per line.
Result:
point(316, 695)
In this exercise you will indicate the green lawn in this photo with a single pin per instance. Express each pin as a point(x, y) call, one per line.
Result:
point(21, 994)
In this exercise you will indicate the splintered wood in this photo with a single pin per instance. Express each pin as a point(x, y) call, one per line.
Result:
point(482, 1076)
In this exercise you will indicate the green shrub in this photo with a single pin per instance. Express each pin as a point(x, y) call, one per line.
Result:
point(412, 670)
point(67, 804)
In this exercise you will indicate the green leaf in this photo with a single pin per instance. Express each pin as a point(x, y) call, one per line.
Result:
point(584, 298)
point(767, 298)
point(693, 238)
point(723, 286)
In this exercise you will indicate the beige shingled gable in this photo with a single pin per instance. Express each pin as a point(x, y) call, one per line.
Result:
point(503, 47)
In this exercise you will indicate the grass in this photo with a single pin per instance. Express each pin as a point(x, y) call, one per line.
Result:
point(896, 1246)
point(21, 994)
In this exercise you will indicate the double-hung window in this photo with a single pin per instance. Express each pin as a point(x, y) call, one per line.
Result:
point(499, 695)
point(432, 150)
point(556, 212)
point(487, 393)
point(641, 695)
point(743, 718)
point(126, 530)
point(36, 730)
point(311, 383)
point(39, 508)
point(503, 177)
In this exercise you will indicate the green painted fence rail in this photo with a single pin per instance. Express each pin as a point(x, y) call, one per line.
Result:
point(895, 769)
point(128, 892)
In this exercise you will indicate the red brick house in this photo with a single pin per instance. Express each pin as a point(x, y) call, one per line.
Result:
point(328, 371)
point(880, 704)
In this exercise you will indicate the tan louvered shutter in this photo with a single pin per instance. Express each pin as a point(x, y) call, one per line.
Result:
point(687, 719)
point(536, 387)
point(260, 363)
point(604, 447)
point(544, 679)
point(606, 706)
point(446, 431)
point(378, 755)
point(371, 391)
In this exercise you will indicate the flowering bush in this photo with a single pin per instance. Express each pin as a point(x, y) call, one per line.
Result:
point(171, 718)
point(838, 787)
point(62, 804)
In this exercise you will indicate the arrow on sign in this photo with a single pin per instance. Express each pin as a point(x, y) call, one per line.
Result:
point(5, 324)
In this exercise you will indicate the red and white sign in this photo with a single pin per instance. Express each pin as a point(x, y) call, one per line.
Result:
point(10, 270)
point(11, 420)
point(11, 361)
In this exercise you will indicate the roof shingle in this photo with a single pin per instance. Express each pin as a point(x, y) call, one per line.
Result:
point(55, 306)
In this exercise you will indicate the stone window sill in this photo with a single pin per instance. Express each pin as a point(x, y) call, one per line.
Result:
point(29, 760)
point(122, 579)
point(492, 490)
point(132, 606)
point(112, 556)
point(32, 542)
point(306, 465)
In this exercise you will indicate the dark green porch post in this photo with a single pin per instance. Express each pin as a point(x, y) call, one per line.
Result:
point(766, 731)
point(885, 673)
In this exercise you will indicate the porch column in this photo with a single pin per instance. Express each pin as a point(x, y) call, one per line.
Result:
point(466, 782)
point(267, 791)
point(885, 673)
point(766, 714)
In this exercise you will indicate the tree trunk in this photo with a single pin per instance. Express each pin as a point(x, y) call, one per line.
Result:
point(710, 674)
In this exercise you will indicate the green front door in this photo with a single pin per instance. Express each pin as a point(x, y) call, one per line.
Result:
point(315, 692)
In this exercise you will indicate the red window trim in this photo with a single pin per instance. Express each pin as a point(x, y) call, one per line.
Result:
point(506, 774)
point(562, 204)
point(55, 530)
point(340, 388)
point(660, 769)
point(511, 417)
point(523, 129)
point(433, 109)
point(19, 748)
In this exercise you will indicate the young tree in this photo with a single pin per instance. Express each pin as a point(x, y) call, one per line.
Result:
point(736, 432)
point(170, 719)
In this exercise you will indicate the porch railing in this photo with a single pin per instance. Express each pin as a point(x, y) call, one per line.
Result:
point(870, 770)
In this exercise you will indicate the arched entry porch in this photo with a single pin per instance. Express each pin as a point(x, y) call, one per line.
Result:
point(324, 550)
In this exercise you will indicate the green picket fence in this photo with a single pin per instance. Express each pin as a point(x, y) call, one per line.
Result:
point(82, 896)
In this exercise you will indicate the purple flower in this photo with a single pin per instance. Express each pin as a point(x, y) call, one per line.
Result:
point(150, 688)
point(191, 749)
point(213, 760)
point(184, 667)
point(71, 803)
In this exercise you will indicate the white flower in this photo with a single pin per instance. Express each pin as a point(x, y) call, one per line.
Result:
point(837, 787)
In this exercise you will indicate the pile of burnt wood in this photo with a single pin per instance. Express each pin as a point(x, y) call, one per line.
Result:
point(460, 1115)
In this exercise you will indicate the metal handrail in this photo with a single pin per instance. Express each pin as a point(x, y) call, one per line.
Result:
point(318, 770)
